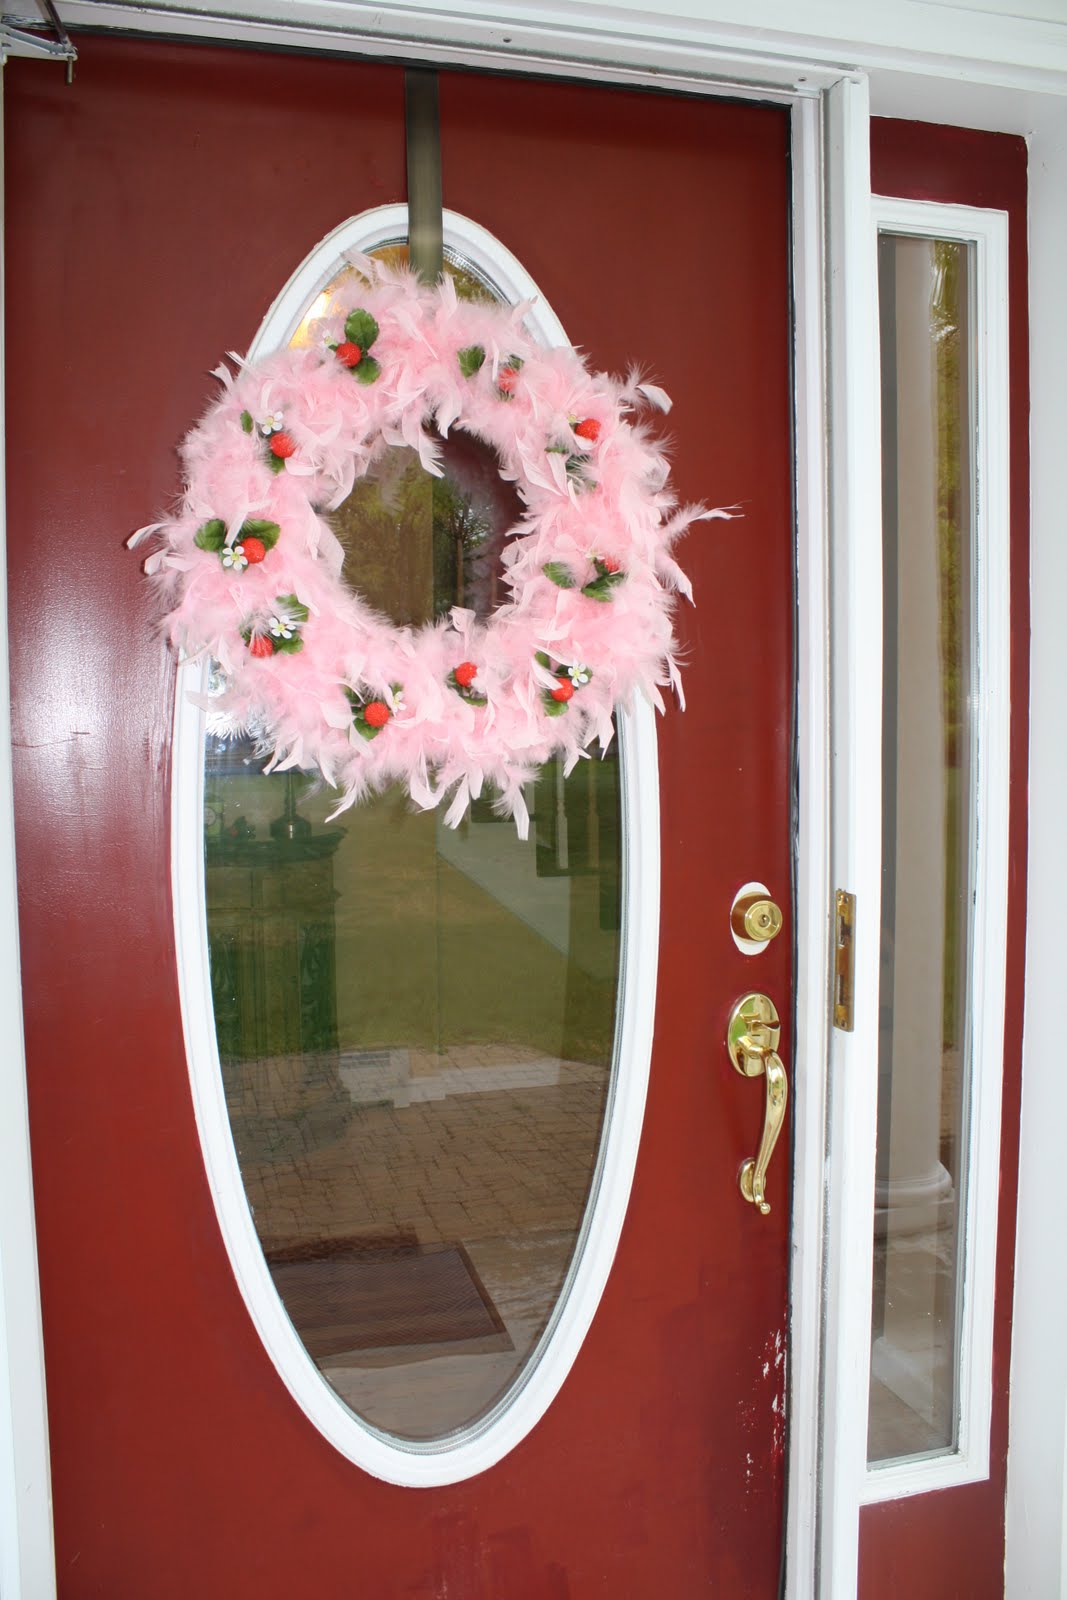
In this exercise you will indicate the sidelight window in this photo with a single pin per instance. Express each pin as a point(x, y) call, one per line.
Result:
point(944, 814)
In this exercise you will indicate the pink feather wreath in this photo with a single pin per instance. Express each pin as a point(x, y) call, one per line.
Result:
point(250, 571)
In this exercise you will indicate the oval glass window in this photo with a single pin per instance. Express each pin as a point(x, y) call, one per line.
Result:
point(416, 1026)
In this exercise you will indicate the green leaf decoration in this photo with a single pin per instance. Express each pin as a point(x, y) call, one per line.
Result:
point(599, 589)
point(542, 660)
point(554, 708)
point(367, 370)
point(515, 361)
point(560, 575)
point(246, 421)
point(471, 360)
point(293, 608)
point(287, 647)
point(211, 535)
point(361, 329)
point(266, 532)
point(465, 691)
point(276, 463)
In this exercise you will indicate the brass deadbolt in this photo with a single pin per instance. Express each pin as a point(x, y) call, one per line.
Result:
point(755, 917)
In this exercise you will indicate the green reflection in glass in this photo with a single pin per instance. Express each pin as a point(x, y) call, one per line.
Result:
point(415, 1024)
point(416, 545)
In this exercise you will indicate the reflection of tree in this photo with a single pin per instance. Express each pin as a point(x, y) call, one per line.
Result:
point(952, 523)
point(416, 545)
point(460, 535)
point(949, 327)
point(384, 526)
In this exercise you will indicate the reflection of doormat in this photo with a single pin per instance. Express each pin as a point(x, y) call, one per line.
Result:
point(373, 1306)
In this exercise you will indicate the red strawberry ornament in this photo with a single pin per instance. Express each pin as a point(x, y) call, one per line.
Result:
point(376, 713)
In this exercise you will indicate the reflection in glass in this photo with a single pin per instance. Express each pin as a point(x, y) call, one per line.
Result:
point(416, 545)
point(927, 844)
point(415, 1025)
point(469, 283)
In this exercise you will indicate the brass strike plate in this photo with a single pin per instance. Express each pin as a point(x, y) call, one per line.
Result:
point(844, 974)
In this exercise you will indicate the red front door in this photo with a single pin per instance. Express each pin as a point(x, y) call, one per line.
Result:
point(156, 208)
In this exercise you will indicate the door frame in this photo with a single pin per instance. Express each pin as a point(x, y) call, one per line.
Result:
point(835, 308)
point(27, 1565)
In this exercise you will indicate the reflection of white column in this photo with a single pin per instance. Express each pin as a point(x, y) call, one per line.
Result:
point(917, 1180)
point(911, 1201)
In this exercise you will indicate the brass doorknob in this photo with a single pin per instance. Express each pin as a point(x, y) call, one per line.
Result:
point(755, 917)
point(752, 1035)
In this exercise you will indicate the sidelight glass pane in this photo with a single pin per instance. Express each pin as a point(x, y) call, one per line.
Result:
point(415, 1025)
point(928, 843)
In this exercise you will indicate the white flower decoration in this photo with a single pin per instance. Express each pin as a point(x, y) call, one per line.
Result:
point(273, 422)
point(282, 628)
point(235, 557)
point(579, 675)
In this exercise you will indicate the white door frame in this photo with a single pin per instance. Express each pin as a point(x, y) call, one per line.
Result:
point(26, 1558)
point(1016, 80)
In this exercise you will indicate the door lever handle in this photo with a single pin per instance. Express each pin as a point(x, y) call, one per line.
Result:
point(752, 1035)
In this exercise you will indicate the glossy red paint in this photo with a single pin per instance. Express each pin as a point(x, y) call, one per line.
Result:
point(156, 207)
point(952, 1543)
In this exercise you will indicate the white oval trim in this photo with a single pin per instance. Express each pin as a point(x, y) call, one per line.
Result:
point(481, 1445)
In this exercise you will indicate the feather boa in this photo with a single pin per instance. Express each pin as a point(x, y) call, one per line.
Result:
point(250, 572)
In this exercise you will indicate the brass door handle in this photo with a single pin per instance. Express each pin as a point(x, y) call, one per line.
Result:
point(752, 1035)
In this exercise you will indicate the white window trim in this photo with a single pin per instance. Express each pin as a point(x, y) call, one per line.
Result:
point(987, 232)
point(474, 1449)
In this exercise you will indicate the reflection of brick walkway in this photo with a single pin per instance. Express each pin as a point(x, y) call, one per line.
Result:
point(489, 1147)
point(458, 1162)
